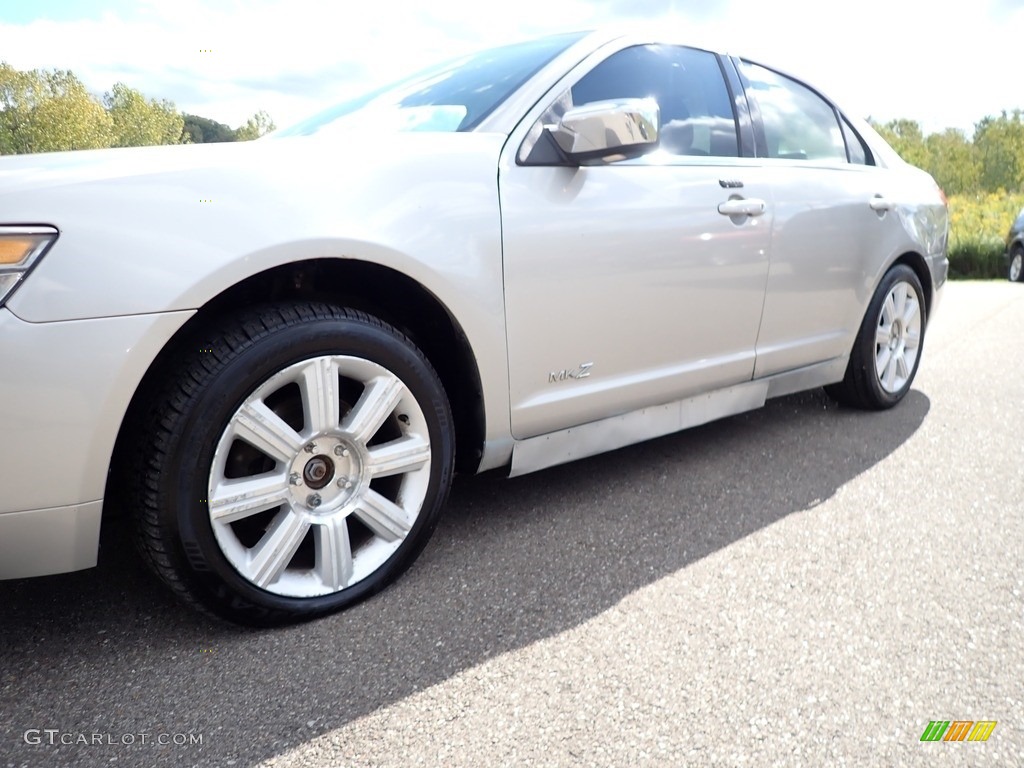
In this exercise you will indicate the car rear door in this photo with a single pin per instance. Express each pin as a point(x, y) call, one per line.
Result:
point(834, 224)
point(625, 286)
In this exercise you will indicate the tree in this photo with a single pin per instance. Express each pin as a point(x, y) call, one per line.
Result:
point(258, 125)
point(906, 138)
point(138, 122)
point(203, 130)
point(953, 161)
point(1000, 146)
point(15, 87)
point(42, 111)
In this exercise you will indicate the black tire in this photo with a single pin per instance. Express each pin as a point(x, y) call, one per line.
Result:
point(862, 387)
point(1016, 265)
point(177, 446)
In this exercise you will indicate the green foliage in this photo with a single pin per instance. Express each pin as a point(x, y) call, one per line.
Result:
point(203, 130)
point(953, 162)
point(993, 160)
point(139, 122)
point(44, 111)
point(977, 236)
point(1000, 144)
point(976, 176)
point(258, 125)
point(906, 138)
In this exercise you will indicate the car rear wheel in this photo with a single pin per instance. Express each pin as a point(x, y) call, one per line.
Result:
point(1016, 271)
point(887, 350)
point(296, 464)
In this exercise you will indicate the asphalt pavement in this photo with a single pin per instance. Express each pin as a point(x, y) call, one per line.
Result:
point(801, 585)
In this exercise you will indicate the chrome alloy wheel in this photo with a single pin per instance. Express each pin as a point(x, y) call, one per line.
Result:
point(319, 476)
point(1016, 265)
point(898, 337)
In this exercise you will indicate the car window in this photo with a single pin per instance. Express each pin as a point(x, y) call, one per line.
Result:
point(455, 96)
point(798, 123)
point(696, 111)
point(856, 150)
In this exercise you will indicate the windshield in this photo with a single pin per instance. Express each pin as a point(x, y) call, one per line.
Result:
point(455, 96)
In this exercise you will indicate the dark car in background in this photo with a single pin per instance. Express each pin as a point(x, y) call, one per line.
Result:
point(1015, 249)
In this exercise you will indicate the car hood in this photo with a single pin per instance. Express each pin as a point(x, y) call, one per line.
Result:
point(206, 163)
point(56, 168)
point(219, 213)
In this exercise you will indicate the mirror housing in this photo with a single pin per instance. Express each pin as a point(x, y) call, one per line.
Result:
point(608, 131)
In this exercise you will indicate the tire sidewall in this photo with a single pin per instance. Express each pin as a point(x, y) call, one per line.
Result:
point(185, 512)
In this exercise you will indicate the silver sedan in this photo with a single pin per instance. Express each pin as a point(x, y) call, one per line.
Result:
point(272, 357)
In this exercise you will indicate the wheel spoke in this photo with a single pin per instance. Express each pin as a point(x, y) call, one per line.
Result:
point(910, 312)
point(888, 311)
point(385, 518)
point(899, 294)
point(890, 374)
point(882, 360)
point(902, 370)
point(882, 335)
point(399, 456)
point(375, 404)
point(320, 395)
point(264, 430)
point(277, 547)
point(333, 552)
point(911, 341)
point(233, 500)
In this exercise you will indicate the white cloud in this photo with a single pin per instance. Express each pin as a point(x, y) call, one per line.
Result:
point(943, 64)
point(893, 58)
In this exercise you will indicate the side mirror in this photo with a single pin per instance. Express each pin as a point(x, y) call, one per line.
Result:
point(607, 131)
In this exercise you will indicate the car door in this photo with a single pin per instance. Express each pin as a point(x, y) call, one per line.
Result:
point(832, 228)
point(625, 286)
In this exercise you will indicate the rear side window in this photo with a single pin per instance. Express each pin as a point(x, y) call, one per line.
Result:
point(856, 149)
point(798, 123)
point(696, 111)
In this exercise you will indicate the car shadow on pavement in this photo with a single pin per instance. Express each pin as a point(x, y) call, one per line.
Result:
point(108, 652)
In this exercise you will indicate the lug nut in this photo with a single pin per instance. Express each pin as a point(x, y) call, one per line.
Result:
point(310, 447)
point(294, 478)
point(313, 500)
point(340, 450)
point(342, 481)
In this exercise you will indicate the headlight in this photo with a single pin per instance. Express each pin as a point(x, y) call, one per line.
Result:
point(20, 249)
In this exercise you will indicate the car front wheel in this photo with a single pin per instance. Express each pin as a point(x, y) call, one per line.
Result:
point(297, 463)
point(887, 350)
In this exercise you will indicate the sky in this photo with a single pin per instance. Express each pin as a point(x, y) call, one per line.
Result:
point(944, 63)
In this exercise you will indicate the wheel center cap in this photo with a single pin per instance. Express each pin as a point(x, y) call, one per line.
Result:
point(896, 334)
point(327, 474)
point(318, 472)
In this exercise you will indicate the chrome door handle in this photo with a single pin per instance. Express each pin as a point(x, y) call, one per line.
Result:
point(742, 207)
point(879, 203)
